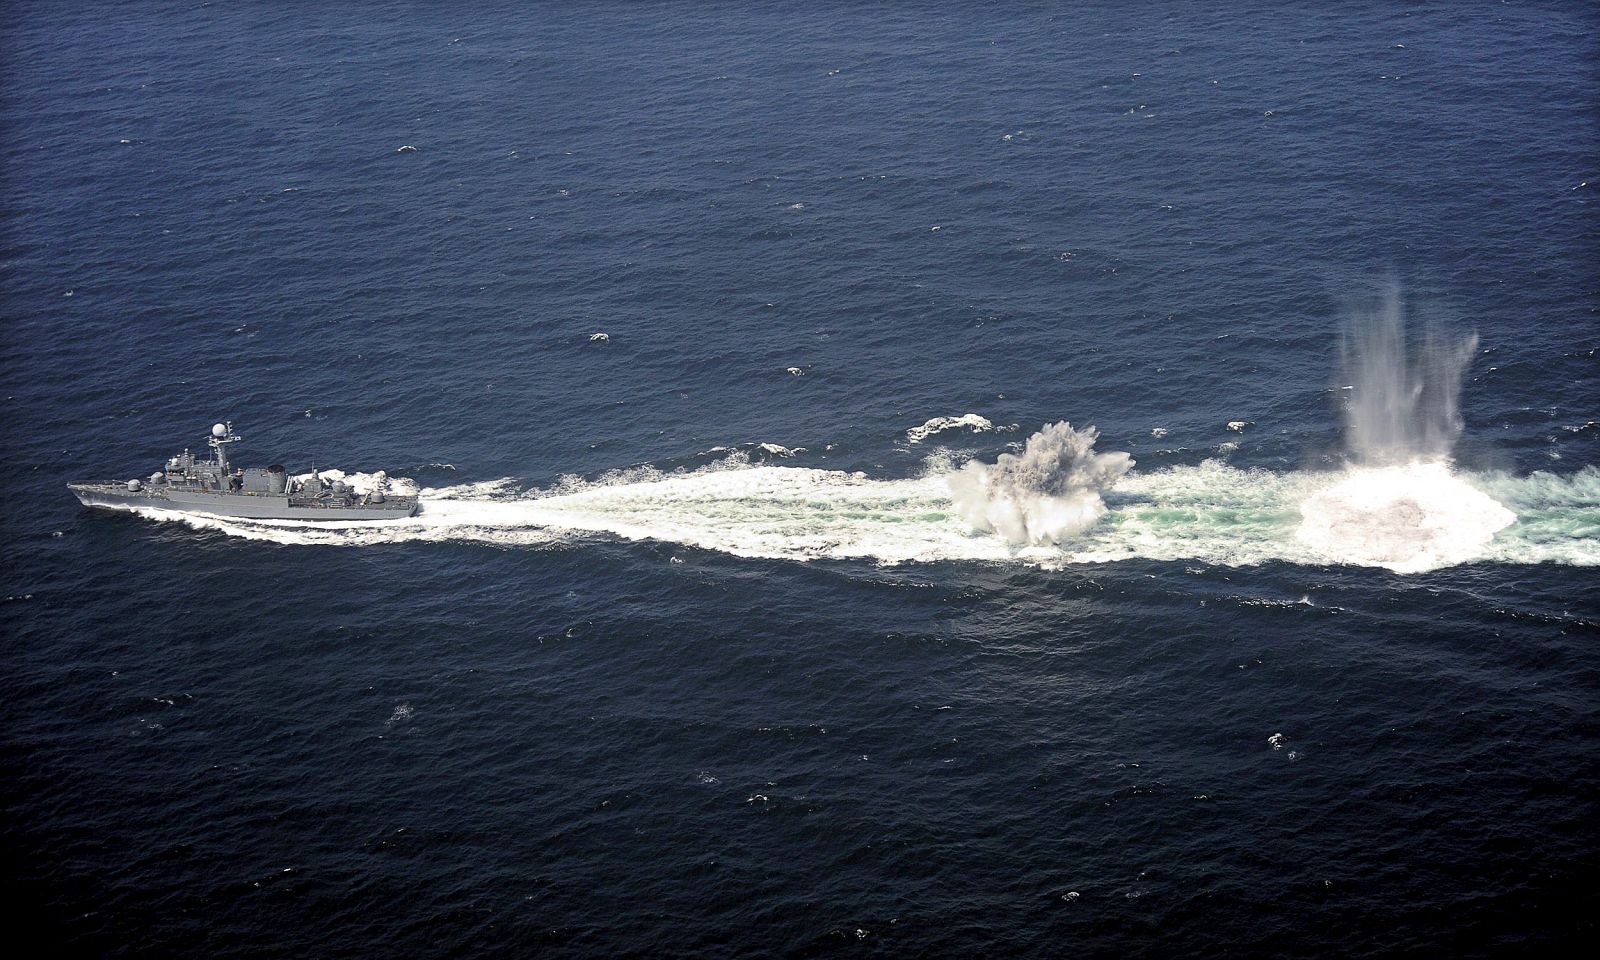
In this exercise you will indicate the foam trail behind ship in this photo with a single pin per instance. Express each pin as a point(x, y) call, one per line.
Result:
point(1211, 513)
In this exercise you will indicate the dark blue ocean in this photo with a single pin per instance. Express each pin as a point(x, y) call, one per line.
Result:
point(751, 610)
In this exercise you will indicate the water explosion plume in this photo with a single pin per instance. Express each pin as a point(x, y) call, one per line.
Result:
point(1048, 492)
point(1400, 504)
point(1404, 400)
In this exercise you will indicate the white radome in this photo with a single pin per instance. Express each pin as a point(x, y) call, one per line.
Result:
point(219, 430)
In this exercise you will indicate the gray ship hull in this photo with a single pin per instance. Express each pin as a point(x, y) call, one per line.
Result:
point(110, 496)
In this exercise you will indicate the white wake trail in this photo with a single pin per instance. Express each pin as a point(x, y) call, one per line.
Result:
point(1210, 513)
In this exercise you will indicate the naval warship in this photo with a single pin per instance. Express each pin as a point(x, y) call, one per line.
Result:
point(214, 487)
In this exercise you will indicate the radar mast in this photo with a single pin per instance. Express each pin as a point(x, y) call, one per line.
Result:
point(221, 435)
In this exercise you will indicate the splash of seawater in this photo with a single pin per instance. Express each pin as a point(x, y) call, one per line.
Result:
point(1400, 504)
point(1404, 396)
point(1410, 518)
point(1044, 495)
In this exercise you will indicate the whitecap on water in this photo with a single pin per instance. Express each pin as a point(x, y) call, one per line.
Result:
point(967, 421)
point(778, 450)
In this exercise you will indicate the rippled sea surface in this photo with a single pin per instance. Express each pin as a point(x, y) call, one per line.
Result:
point(691, 653)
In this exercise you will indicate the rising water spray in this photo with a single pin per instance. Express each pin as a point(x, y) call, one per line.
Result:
point(1047, 493)
point(1400, 504)
point(1404, 392)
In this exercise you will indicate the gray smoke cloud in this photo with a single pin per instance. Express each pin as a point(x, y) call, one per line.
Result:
point(1047, 493)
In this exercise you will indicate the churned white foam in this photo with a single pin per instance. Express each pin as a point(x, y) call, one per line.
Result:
point(968, 421)
point(1409, 518)
point(1047, 493)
